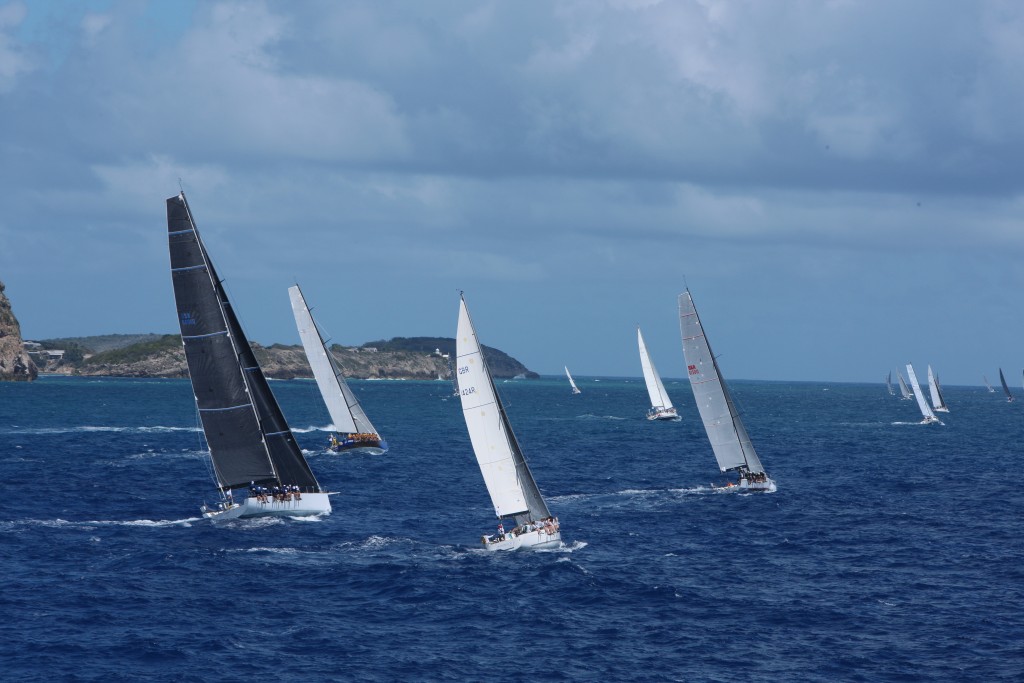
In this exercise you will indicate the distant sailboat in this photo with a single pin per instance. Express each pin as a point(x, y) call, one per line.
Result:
point(661, 405)
point(1006, 389)
point(938, 402)
point(904, 389)
point(575, 389)
point(729, 440)
point(888, 384)
point(355, 432)
point(989, 386)
point(250, 443)
point(926, 411)
point(509, 481)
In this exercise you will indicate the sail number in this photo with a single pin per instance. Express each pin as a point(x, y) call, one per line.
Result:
point(468, 390)
point(464, 369)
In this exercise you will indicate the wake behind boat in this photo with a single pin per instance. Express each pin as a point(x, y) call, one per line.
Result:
point(510, 483)
point(355, 432)
point(661, 405)
point(729, 440)
point(251, 446)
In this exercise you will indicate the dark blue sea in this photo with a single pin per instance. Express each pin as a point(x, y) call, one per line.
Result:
point(891, 551)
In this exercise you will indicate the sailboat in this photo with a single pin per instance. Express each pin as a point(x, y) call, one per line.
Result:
point(513, 491)
point(987, 385)
point(938, 402)
point(661, 405)
point(888, 384)
point(355, 432)
point(729, 440)
point(250, 443)
point(904, 389)
point(575, 389)
point(1009, 396)
point(926, 411)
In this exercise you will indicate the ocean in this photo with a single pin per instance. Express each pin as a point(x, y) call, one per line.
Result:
point(891, 551)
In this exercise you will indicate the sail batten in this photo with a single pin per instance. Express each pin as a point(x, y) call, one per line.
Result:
point(507, 476)
point(248, 437)
point(726, 432)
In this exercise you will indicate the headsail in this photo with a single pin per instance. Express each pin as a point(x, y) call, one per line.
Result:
point(246, 432)
point(342, 404)
point(510, 484)
point(655, 388)
point(725, 429)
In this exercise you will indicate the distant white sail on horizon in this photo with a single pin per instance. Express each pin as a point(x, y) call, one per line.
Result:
point(575, 389)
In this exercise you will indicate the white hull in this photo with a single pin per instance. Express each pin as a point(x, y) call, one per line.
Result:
point(941, 410)
point(310, 504)
point(535, 540)
point(766, 486)
point(663, 414)
point(931, 420)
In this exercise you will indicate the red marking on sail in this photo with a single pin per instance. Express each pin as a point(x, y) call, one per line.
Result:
point(693, 369)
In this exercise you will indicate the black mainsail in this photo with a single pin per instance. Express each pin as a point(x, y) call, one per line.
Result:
point(247, 434)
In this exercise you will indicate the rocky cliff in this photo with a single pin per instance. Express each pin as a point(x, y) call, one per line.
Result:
point(15, 364)
point(162, 356)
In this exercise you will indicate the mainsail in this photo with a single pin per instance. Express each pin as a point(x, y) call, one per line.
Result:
point(342, 404)
point(926, 410)
point(655, 389)
point(246, 432)
point(510, 484)
point(572, 384)
point(904, 389)
point(938, 403)
point(987, 385)
point(725, 429)
point(1009, 396)
point(888, 384)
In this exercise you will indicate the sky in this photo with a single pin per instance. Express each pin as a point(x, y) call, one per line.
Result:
point(839, 183)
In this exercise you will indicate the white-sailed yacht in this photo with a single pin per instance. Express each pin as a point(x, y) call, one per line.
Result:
point(661, 405)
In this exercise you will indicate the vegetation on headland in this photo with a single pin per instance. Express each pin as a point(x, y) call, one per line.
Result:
point(154, 355)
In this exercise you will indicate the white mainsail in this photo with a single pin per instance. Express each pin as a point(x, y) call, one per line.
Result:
point(575, 389)
point(342, 404)
point(990, 389)
point(725, 429)
point(926, 410)
point(938, 404)
point(510, 484)
point(904, 389)
point(655, 389)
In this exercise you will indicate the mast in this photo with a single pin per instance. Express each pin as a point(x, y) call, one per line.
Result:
point(655, 388)
point(248, 437)
point(342, 404)
point(729, 439)
point(509, 482)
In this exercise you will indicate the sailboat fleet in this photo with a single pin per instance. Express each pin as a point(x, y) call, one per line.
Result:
point(254, 455)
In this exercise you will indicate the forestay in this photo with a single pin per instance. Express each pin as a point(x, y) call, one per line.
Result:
point(655, 388)
point(346, 413)
point(510, 484)
point(246, 432)
point(722, 422)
